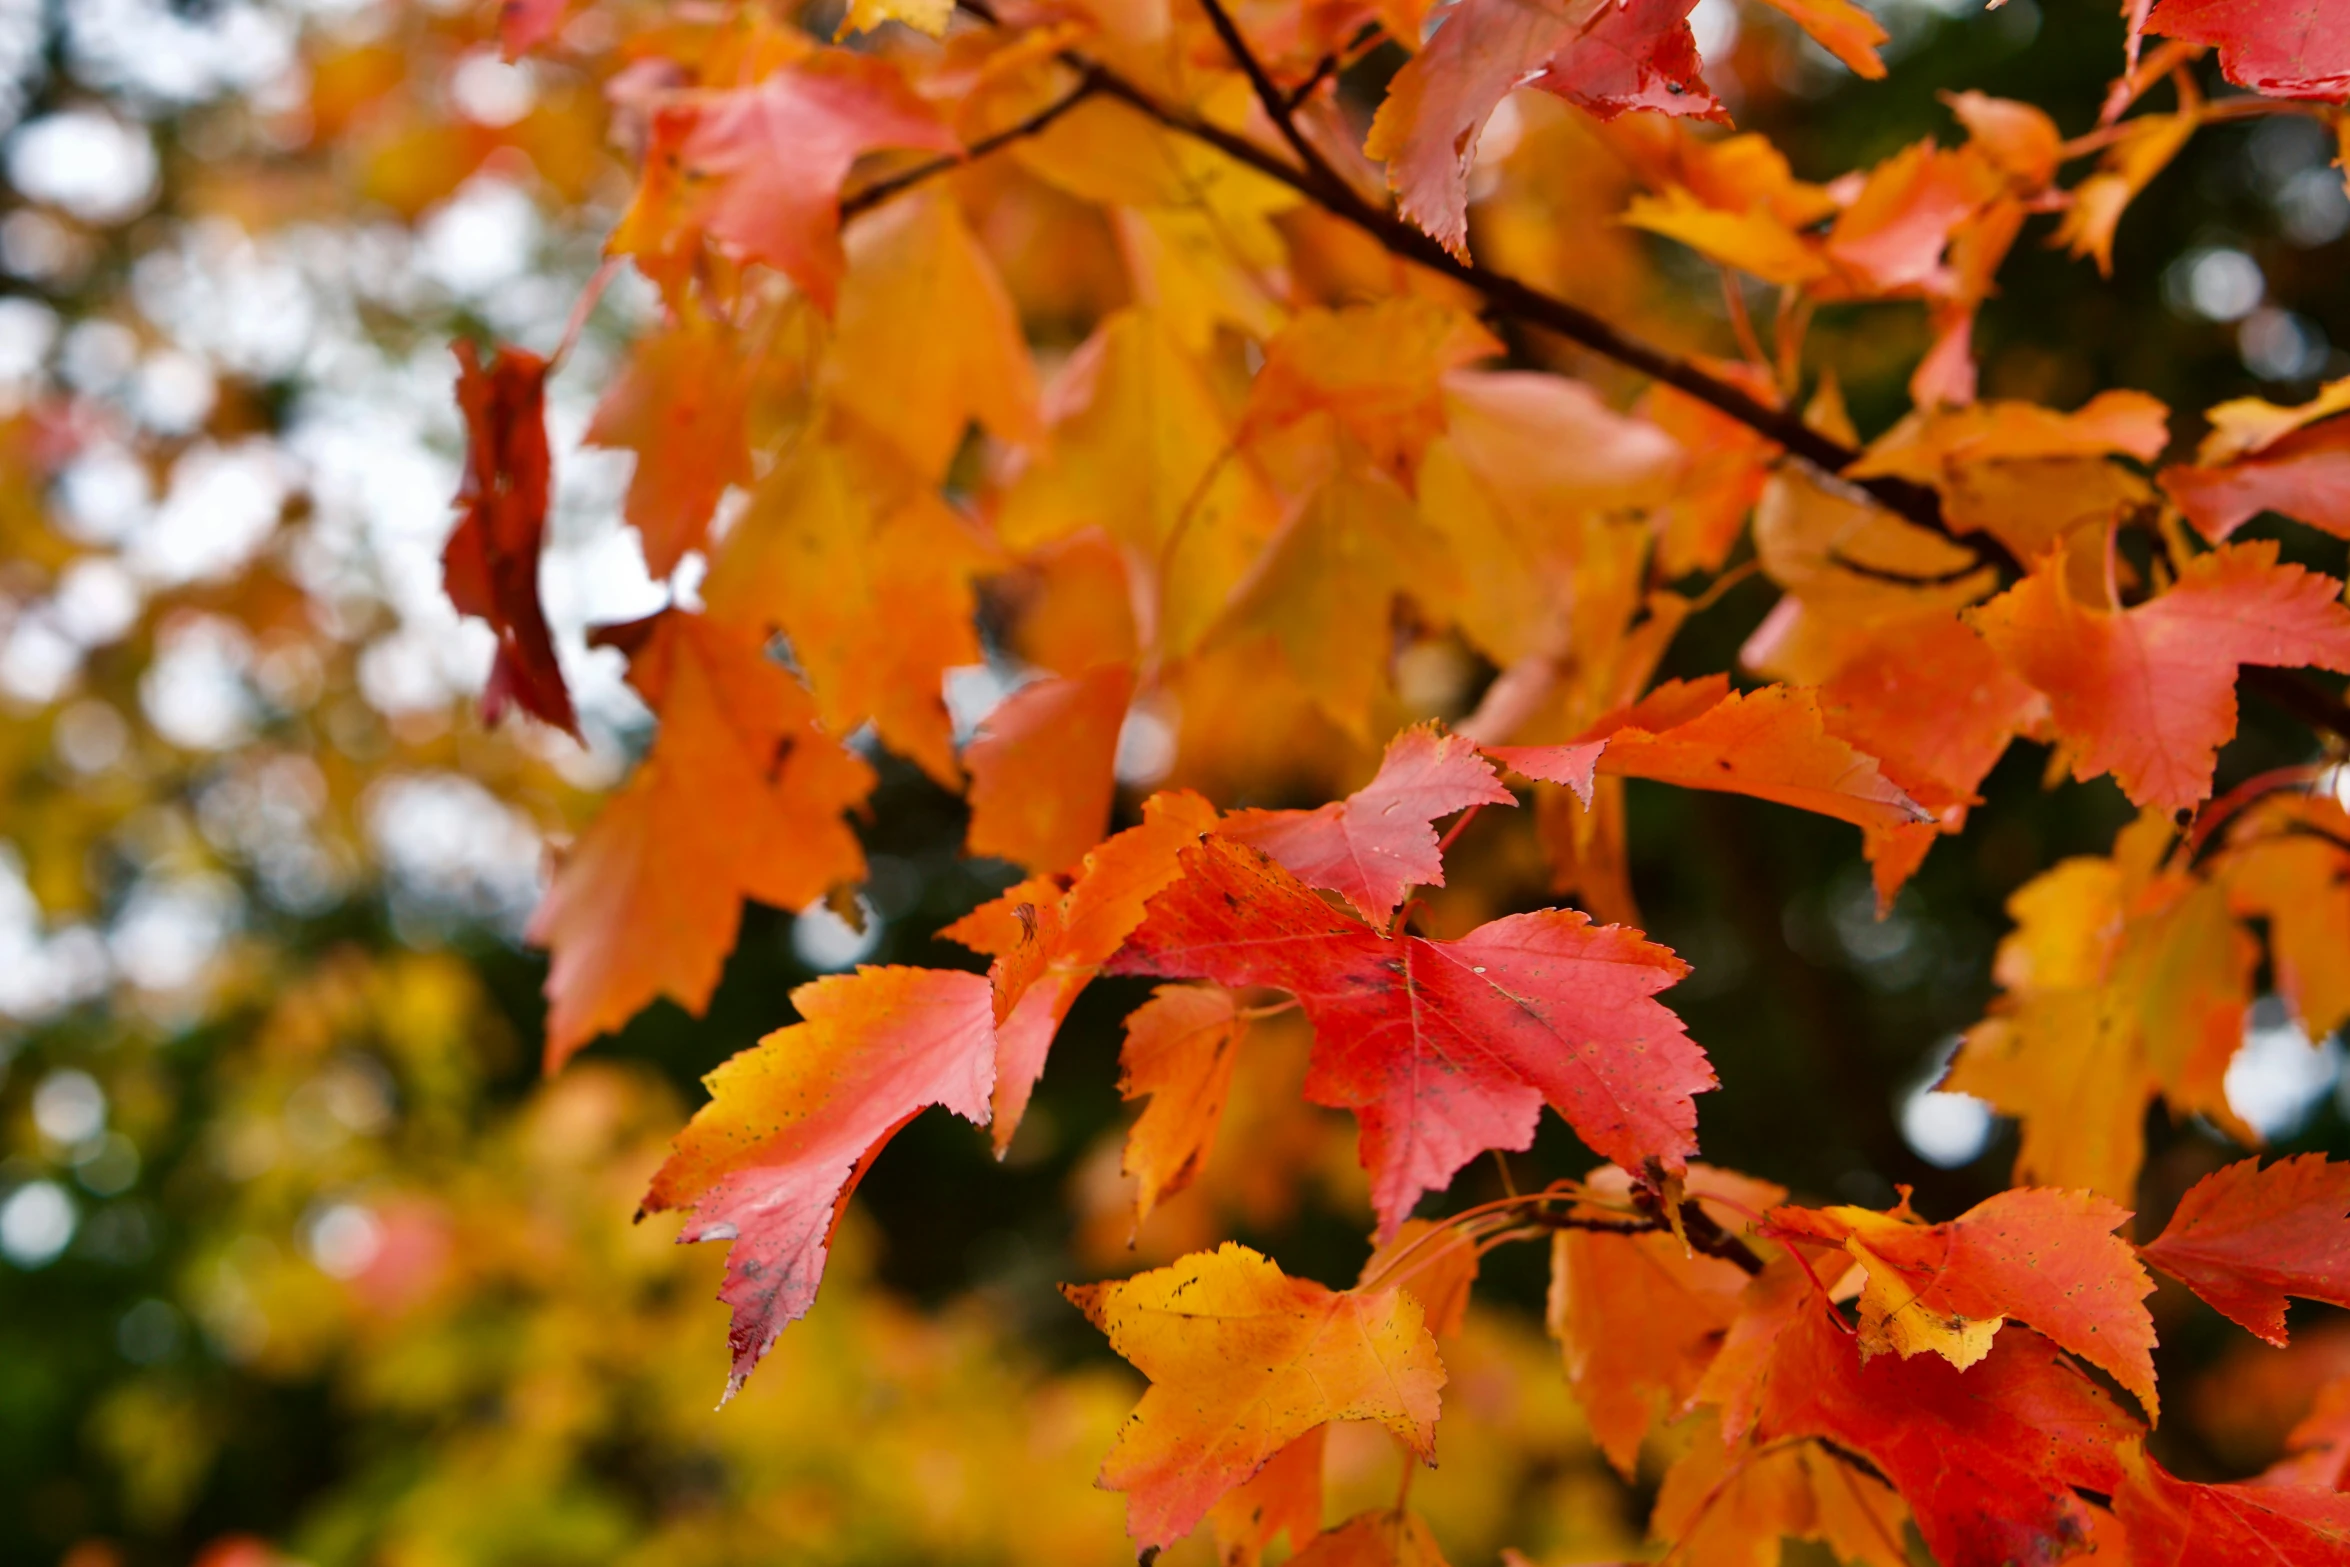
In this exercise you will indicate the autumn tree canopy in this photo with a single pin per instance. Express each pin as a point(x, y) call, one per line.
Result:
point(1315, 549)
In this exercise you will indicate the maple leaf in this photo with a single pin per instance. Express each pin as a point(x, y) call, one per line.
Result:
point(2145, 148)
point(792, 1124)
point(680, 406)
point(490, 566)
point(1752, 239)
point(1380, 840)
point(759, 169)
point(2288, 862)
point(1640, 54)
point(1376, 370)
point(1427, 129)
point(1987, 1459)
point(1284, 1497)
point(740, 797)
point(2317, 1451)
point(2244, 1238)
point(926, 16)
point(1180, 1049)
point(1526, 490)
point(920, 292)
point(871, 582)
point(1839, 553)
point(1143, 446)
point(1721, 1507)
point(1325, 591)
point(1444, 1049)
point(1934, 705)
point(2043, 1257)
point(2284, 48)
point(2121, 981)
point(1771, 1303)
point(1843, 29)
point(2019, 137)
point(2029, 476)
point(1379, 1538)
point(1723, 469)
point(1639, 1317)
point(2176, 1523)
point(1893, 234)
point(525, 24)
point(1243, 1361)
point(1772, 744)
point(2260, 457)
point(1050, 942)
point(2148, 693)
point(1043, 773)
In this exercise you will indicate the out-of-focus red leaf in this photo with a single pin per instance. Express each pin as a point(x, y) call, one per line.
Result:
point(491, 563)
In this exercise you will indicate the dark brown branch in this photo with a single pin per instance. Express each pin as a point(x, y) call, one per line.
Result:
point(1277, 106)
point(1697, 1226)
point(882, 190)
point(1568, 1221)
point(1324, 69)
point(1704, 1234)
point(1504, 295)
point(2298, 696)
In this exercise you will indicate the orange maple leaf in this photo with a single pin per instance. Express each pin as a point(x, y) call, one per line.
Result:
point(740, 797)
point(759, 169)
point(1043, 768)
point(1049, 941)
point(1242, 1362)
point(681, 406)
point(793, 1123)
point(2148, 693)
point(2048, 1258)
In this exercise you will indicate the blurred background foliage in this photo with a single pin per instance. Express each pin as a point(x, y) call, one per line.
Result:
point(298, 1255)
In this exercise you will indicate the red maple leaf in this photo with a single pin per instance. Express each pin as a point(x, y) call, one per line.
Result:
point(1641, 55)
point(2244, 1238)
point(2176, 1523)
point(1380, 839)
point(796, 1120)
point(1444, 1049)
point(2149, 693)
point(2284, 48)
point(759, 169)
point(1987, 1458)
point(491, 563)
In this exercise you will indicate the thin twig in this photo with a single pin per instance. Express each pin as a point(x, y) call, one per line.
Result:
point(581, 309)
point(1276, 105)
point(880, 191)
point(2215, 814)
point(1324, 69)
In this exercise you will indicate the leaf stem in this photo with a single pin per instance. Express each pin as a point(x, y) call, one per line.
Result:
point(1461, 826)
point(2215, 814)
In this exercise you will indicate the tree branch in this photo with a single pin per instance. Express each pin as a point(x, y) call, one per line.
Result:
point(1275, 103)
point(882, 190)
point(2292, 692)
